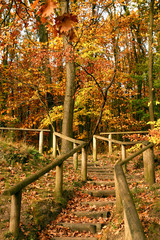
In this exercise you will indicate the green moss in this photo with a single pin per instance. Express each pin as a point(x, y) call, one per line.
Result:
point(44, 212)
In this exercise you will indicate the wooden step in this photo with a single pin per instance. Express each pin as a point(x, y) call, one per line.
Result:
point(93, 214)
point(102, 183)
point(90, 163)
point(74, 238)
point(101, 167)
point(100, 170)
point(103, 177)
point(99, 203)
point(96, 165)
point(100, 193)
point(88, 227)
point(102, 174)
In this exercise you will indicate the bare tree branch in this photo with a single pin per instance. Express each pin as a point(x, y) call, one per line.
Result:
point(9, 10)
point(103, 104)
point(90, 74)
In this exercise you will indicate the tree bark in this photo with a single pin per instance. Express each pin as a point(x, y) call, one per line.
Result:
point(150, 64)
point(67, 126)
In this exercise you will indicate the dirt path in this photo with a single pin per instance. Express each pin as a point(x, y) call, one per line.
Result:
point(90, 209)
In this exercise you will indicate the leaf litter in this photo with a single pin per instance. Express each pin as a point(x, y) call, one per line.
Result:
point(147, 203)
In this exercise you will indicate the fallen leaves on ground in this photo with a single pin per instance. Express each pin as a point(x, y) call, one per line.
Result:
point(146, 200)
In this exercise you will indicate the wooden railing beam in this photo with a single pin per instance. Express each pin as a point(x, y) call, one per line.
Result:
point(16, 190)
point(119, 206)
point(118, 133)
point(133, 227)
point(68, 138)
point(25, 129)
point(136, 154)
point(56, 162)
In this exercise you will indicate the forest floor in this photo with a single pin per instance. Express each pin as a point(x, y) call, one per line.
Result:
point(38, 202)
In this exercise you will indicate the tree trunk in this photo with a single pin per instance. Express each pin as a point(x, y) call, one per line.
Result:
point(150, 64)
point(67, 127)
point(43, 37)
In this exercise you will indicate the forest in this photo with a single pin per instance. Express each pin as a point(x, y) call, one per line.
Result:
point(105, 53)
point(73, 69)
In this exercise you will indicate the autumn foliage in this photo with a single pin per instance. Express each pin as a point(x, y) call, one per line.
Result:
point(32, 63)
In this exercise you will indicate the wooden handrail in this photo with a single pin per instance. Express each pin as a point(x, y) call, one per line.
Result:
point(116, 141)
point(68, 138)
point(133, 227)
point(41, 135)
point(136, 154)
point(110, 140)
point(16, 191)
point(115, 133)
point(33, 130)
point(58, 161)
point(25, 129)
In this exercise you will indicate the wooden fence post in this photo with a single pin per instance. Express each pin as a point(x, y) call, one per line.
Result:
point(41, 142)
point(110, 144)
point(123, 152)
point(54, 146)
point(75, 158)
point(15, 213)
point(123, 149)
point(148, 160)
point(84, 165)
point(59, 181)
point(94, 149)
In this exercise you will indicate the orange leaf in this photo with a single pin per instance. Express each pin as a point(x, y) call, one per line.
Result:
point(49, 8)
point(65, 22)
point(66, 25)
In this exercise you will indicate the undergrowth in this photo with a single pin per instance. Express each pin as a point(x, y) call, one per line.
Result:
point(39, 205)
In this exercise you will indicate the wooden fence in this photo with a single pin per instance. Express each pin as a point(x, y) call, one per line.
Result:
point(133, 227)
point(59, 168)
point(124, 201)
point(41, 135)
point(110, 141)
point(110, 134)
point(16, 191)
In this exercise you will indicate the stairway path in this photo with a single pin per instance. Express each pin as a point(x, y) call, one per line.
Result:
point(89, 211)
